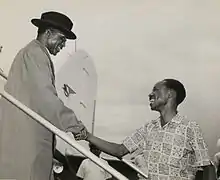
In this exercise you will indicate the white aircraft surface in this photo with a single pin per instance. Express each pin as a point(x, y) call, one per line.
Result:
point(76, 84)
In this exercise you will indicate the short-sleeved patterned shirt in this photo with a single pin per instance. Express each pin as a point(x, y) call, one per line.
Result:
point(172, 152)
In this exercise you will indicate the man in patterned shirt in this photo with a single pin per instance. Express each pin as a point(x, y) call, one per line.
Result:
point(168, 148)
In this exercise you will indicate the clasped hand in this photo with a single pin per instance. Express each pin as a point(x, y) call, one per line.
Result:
point(80, 132)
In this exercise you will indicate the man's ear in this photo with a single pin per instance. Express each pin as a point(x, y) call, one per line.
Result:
point(171, 93)
point(48, 32)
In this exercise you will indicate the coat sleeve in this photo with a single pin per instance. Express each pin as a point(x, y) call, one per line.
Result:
point(43, 95)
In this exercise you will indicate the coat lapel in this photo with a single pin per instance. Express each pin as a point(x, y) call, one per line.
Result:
point(51, 66)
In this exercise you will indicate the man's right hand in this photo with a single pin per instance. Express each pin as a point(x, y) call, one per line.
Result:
point(80, 132)
point(83, 135)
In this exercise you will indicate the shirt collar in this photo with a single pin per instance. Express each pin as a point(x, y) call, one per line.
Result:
point(46, 51)
point(42, 47)
point(176, 119)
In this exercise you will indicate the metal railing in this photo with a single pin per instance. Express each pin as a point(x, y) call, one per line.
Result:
point(64, 136)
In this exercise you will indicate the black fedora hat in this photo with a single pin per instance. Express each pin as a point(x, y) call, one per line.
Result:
point(56, 20)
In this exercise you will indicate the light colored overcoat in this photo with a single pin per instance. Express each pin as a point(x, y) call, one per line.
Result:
point(26, 147)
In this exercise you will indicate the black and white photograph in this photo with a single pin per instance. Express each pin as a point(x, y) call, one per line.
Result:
point(110, 90)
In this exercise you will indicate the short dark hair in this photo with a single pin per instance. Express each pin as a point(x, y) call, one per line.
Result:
point(178, 87)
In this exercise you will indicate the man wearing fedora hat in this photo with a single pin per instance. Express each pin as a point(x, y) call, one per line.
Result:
point(26, 147)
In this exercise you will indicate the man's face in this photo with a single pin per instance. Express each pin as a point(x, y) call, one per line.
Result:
point(159, 96)
point(55, 42)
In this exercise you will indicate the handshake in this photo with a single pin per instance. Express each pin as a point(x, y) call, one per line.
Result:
point(79, 131)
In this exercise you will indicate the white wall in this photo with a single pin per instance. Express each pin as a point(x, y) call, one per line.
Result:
point(134, 44)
